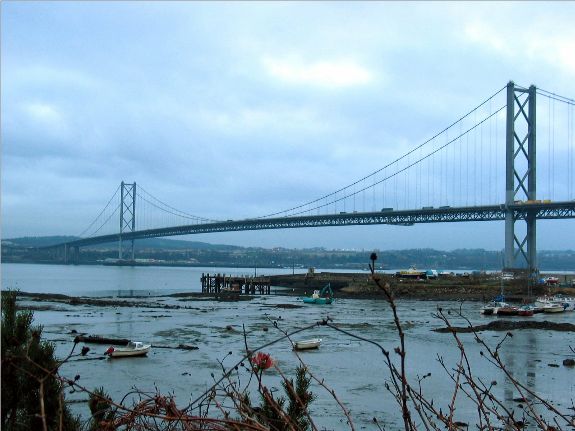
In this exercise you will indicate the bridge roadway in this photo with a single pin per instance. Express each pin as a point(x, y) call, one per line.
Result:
point(552, 210)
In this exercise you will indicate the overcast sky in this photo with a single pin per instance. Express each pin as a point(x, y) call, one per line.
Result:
point(234, 110)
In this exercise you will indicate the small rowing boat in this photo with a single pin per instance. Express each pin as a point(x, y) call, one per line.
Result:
point(307, 344)
point(325, 296)
point(132, 349)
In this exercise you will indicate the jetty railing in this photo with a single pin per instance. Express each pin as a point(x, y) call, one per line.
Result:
point(218, 283)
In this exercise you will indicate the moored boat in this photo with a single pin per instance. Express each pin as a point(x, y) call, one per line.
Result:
point(553, 308)
point(487, 310)
point(312, 343)
point(567, 302)
point(411, 273)
point(507, 310)
point(132, 349)
point(542, 301)
point(493, 307)
point(316, 299)
point(325, 296)
point(525, 311)
point(551, 302)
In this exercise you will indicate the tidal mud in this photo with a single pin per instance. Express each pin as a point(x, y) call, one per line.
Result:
point(508, 325)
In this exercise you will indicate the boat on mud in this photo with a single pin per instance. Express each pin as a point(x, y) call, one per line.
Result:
point(325, 296)
point(508, 310)
point(553, 308)
point(312, 343)
point(503, 309)
point(567, 303)
point(492, 308)
point(132, 349)
point(411, 274)
point(526, 311)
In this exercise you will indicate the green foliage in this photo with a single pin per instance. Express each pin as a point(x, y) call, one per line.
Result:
point(272, 412)
point(100, 408)
point(300, 399)
point(29, 367)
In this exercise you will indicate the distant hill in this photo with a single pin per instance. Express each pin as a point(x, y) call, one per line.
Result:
point(141, 244)
point(201, 253)
point(37, 241)
point(178, 244)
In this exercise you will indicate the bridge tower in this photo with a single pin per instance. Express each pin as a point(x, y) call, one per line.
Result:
point(521, 180)
point(127, 215)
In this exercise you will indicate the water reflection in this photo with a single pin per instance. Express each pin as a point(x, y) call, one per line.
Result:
point(531, 358)
point(509, 360)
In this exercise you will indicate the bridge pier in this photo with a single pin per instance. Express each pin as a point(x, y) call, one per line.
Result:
point(524, 171)
point(75, 255)
point(127, 215)
point(69, 254)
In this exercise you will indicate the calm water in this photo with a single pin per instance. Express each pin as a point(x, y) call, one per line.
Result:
point(354, 369)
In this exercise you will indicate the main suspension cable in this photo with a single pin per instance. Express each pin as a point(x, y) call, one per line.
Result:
point(99, 215)
point(389, 164)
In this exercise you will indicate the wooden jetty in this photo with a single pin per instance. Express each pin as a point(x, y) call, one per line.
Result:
point(221, 283)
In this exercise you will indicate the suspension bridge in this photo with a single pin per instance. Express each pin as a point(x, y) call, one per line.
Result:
point(511, 158)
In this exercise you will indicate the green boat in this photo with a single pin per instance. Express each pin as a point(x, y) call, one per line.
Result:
point(325, 296)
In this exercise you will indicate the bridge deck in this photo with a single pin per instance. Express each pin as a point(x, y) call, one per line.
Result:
point(552, 210)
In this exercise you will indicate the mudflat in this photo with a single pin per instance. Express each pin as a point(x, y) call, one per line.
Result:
point(481, 287)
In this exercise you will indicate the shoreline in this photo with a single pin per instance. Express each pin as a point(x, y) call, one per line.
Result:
point(432, 290)
point(498, 324)
point(480, 287)
point(361, 269)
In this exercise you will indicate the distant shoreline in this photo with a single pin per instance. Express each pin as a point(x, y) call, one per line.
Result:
point(555, 272)
point(357, 285)
point(178, 253)
point(481, 287)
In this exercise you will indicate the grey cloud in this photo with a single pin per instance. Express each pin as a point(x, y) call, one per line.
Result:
point(176, 96)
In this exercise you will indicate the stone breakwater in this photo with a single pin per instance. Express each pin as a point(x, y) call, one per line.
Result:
point(481, 287)
point(508, 325)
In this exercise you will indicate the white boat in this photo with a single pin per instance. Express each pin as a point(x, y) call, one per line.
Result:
point(567, 301)
point(553, 308)
point(133, 348)
point(307, 344)
point(493, 307)
point(542, 301)
point(568, 304)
